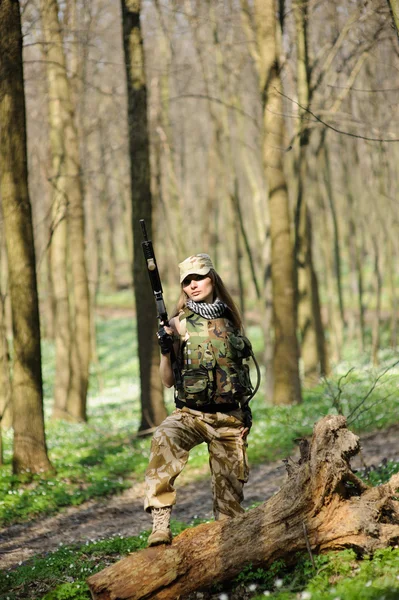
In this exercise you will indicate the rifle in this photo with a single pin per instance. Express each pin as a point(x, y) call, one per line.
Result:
point(156, 285)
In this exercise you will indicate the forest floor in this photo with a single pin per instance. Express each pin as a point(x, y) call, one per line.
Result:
point(123, 515)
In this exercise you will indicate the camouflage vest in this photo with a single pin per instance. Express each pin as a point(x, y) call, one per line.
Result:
point(211, 361)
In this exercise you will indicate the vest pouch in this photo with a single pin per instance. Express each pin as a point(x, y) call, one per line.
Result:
point(234, 380)
point(240, 346)
point(245, 379)
point(195, 384)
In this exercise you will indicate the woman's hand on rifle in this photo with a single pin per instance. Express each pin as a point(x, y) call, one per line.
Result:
point(165, 337)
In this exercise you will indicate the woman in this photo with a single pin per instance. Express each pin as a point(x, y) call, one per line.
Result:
point(205, 334)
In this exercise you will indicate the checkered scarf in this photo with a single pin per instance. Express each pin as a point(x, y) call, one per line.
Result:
point(208, 311)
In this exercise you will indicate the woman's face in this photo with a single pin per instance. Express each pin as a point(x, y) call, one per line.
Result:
point(199, 288)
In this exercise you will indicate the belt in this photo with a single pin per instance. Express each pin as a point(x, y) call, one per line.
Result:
point(208, 408)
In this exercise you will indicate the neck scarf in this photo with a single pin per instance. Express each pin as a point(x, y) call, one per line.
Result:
point(208, 311)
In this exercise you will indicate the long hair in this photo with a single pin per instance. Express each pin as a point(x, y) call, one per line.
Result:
point(219, 291)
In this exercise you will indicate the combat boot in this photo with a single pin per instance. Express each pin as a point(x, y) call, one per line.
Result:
point(161, 533)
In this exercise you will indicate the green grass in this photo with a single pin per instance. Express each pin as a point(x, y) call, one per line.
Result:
point(334, 575)
point(105, 456)
point(62, 574)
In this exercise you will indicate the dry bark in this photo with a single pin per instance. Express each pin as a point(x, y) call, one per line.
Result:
point(322, 506)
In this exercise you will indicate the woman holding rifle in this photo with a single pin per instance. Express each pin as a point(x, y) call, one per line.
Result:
point(205, 333)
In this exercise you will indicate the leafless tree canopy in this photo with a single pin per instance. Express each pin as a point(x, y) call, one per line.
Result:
point(213, 156)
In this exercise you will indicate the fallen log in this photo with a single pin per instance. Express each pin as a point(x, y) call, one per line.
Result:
point(322, 506)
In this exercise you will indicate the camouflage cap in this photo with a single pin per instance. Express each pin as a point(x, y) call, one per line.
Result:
point(198, 264)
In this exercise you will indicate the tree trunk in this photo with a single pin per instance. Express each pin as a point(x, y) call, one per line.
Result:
point(67, 179)
point(287, 387)
point(238, 265)
point(58, 249)
point(313, 346)
point(326, 169)
point(81, 325)
point(322, 506)
point(351, 180)
point(394, 8)
point(5, 362)
point(47, 301)
point(313, 343)
point(5, 373)
point(153, 410)
point(334, 321)
point(5, 378)
point(392, 270)
point(241, 231)
point(30, 451)
point(58, 257)
point(107, 225)
point(376, 334)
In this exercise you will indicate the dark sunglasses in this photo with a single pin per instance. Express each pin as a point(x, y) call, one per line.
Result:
point(194, 277)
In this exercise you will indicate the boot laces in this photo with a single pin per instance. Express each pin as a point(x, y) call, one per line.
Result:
point(161, 517)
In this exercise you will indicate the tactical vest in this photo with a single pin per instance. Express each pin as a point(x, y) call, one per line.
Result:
point(211, 362)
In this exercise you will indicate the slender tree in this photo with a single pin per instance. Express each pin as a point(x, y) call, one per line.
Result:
point(153, 410)
point(313, 346)
point(287, 387)
point(73, 336)
point(27, 391)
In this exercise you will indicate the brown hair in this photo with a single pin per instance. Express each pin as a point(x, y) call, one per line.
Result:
point(221, 292)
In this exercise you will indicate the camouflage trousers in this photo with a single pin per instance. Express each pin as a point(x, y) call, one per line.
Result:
point(171, 444)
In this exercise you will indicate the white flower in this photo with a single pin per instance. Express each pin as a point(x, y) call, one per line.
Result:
point(266, 593)
point(278, 583)
point(223, 597)
point(306, 595)
point(368, 584)
point(252, 587)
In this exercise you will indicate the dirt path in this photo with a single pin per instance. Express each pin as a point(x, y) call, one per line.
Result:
point(123, 515)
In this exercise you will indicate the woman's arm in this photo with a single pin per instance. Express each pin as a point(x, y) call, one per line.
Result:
point(165, 367)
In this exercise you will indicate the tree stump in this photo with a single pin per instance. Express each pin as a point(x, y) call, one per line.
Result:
point(322, 506)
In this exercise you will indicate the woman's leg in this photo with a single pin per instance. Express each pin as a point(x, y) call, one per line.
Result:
point(170, 447)
point(229, 468)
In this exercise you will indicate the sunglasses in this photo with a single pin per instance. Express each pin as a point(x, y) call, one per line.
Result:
point(194, 277)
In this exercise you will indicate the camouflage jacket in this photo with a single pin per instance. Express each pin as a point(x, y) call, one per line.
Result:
point(211, 360)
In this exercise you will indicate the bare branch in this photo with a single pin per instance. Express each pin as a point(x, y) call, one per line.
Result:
point(329, 126)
